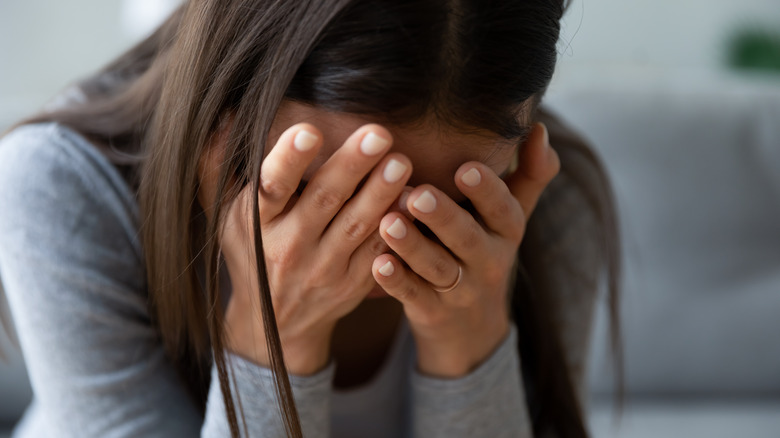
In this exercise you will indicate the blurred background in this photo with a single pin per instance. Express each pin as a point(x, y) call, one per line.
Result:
point(681, 100)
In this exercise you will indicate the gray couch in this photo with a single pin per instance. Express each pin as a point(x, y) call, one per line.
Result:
point(695, 160)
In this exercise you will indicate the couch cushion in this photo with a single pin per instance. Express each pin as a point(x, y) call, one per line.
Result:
point(695, 161)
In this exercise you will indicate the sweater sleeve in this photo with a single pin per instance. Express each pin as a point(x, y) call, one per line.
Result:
point(73, 272)
point(490, 401)
point(253, 389)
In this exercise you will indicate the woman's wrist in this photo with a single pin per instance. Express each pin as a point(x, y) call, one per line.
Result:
point(307, 357)
point(460, 356)
point(301, 358)
point(304, 354)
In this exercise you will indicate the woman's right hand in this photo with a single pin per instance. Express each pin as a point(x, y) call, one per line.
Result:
point(319, 246)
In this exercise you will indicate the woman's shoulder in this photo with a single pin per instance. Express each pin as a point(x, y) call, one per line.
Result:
point(53, 156)
point(57, 187)
point(51, 152)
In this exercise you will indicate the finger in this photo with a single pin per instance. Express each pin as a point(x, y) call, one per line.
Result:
point(538, 165)
point(283, 168)
point(361, 215)
point(453, 226)
point(429, 260)
point(336, 180)
point(402, 284)
point(362, 259)
point(400, 205)
point(498, 209)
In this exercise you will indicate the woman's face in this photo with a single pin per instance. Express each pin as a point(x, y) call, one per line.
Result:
point(435, 152)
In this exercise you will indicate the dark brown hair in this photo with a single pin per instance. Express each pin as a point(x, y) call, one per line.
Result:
point(479, 64)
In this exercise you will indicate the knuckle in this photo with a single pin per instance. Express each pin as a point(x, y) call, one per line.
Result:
point(326, 198)
point(355, 227)
point(469, 239)
point(500, 209)
point(353, 166)
point(447, 216)
point(281, 260)
point(377, 245)
point(440, 268)
point(276, 187)
point(282, 256)
point(320, 272)
point(494, 274)
point(378, 194)
point(465, 301)
point(406, 292)
point(432, 318)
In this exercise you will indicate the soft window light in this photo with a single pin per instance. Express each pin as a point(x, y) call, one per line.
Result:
point(140, 17)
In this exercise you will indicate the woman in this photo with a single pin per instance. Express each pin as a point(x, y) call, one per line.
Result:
point(305, 218)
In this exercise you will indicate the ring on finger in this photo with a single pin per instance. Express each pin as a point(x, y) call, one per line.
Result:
point(453, 285)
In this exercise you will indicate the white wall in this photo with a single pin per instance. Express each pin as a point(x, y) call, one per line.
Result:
point(45, 44)
point(679, 33)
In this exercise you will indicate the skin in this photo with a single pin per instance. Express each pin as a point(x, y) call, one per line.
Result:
point(329, 247)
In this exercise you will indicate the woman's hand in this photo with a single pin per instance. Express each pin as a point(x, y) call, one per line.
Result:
point(457, 330)
point(319, 247)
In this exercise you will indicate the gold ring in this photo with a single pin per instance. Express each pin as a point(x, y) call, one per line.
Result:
point(453, 285)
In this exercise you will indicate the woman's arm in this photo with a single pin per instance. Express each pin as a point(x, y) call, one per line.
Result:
point(253, 390)
point(489, 402)
point(572, 245)
point(74, 279)
point(73, 273)
point(464, 333)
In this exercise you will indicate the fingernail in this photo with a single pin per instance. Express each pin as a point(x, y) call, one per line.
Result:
point(472, 178)
point(387, 269)
point(426, 203)
point(403, 198)
point(305, 140)
point(373, 144)
point(546, 135)
point(394, 170)
point(397, 230)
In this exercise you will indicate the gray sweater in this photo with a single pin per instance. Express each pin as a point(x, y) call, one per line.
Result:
point(72, 267)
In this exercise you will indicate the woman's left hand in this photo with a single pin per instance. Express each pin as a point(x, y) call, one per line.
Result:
point(455, 331)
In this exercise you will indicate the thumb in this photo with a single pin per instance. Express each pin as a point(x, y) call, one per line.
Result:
point(538, 163)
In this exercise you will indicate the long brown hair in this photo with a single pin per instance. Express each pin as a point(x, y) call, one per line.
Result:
point(472, 64)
